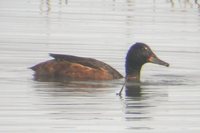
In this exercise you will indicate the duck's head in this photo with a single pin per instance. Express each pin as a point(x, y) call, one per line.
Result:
point(137, 56)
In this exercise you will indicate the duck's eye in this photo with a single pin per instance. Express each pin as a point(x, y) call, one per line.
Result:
point(145, 48)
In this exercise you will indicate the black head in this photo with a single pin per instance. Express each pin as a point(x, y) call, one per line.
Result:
point(138, 55)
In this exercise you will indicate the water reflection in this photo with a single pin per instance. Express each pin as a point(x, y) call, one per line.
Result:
point(133, 91)
point(185, 3)
point(136, 106)
point(66, 83)
point(139, 102)
point(197, 2)
point(73, 85)
point(46, 5)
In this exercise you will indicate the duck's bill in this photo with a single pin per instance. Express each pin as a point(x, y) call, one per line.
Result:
point(156, 60)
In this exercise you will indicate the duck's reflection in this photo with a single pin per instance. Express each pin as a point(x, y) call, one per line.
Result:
point(140, 101)
point(133, 91)
point(73, 88)
point(136, 104)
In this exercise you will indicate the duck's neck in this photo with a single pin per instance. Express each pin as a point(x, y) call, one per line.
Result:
point(133, 73)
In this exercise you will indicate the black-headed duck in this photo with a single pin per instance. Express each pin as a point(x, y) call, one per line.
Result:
point(68, 67)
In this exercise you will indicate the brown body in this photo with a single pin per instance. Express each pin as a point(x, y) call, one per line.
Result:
point(66, 67)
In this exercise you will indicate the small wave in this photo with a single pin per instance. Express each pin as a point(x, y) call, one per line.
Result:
point(168, 80)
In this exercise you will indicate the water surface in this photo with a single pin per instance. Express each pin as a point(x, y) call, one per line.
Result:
point(168, 99)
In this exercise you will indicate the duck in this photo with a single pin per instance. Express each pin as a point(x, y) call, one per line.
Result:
point(69, 67)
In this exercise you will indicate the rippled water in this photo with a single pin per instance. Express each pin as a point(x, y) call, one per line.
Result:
point(168, 99)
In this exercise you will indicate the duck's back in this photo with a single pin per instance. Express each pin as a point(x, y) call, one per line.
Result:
point(67, 67)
